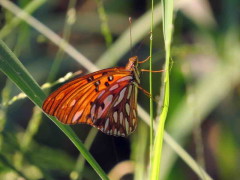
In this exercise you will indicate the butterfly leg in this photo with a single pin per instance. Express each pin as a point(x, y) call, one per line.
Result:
point(143, 90)
point(140, 62)
point(146, 70)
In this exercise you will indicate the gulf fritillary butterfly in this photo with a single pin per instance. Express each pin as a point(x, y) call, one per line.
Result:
point(106, 99)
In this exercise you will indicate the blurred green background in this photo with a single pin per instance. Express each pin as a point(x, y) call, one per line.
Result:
point(203, 116)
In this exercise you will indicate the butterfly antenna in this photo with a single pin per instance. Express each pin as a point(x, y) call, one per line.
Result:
point(141, 44)
point(130, 27)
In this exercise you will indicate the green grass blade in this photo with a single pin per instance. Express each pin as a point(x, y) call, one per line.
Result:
point(12, 67)
point(167, 32)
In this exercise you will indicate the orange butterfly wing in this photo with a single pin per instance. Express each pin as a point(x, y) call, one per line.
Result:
point(74, 102)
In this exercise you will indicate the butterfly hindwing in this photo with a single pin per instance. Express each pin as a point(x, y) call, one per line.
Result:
point(114, 110)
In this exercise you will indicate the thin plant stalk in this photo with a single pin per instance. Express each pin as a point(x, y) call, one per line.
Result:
point(150, 87)
point(167, 33)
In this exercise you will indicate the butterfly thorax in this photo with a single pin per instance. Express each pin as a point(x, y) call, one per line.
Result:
point(132, 65)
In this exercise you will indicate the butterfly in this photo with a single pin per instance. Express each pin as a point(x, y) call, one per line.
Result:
point(105, 99)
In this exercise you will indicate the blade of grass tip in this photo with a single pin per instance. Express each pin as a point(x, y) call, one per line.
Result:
point(30, 8)
point(12, 67)
point(167, 33)
point(150, 87)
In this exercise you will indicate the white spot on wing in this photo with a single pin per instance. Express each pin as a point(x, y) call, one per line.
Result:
point(114, 87)
point(101, 94)
point(136, 90)
point(126, 125)
point(106, 124)
point(120, 98)
point(106, 102)
point(77, 115)
point(134, 113)
point(115, 116)
point(127, 108)
point(130, 129)
point(72, 103)
point(134, 121)
point(129, 91)
point(93, 111)
point(100, 112)
point(121, 117)
point(60, 96)
point(125, 78)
